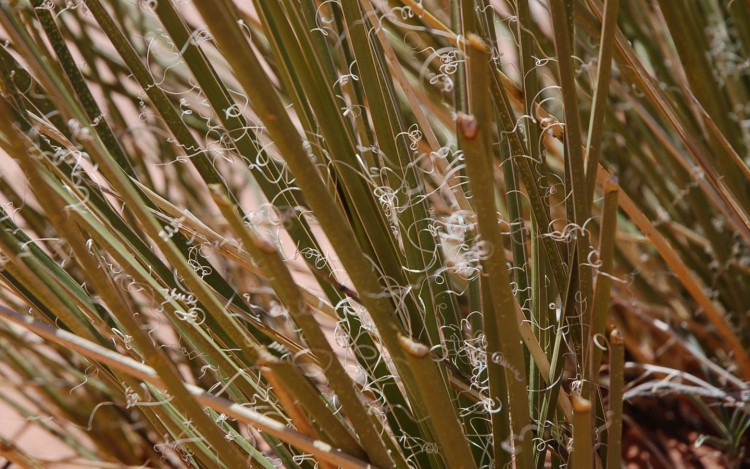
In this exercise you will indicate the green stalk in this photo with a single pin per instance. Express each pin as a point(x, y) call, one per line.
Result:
point(269, 261)
point(47, 294)
point(149, 375)
point(616, 384)
point(131, 196)
point(601, 94)
point(288, 378)
point(501, 324)
point(423, 256)
point(159, 98)
point(269, 108)
point(462, 16)
point(150, 353)
point(174, 122)
point(539, 209)
point(682, 24)
point(179, 129)
point(444, 421)
point(154, 264)
point(516, 221)
point(537, 266)
point(199, 339)
point(600, 309)
point(76, 80)
point(583, 449)
point(498, 389)
point(562, 21)
point(314, 85)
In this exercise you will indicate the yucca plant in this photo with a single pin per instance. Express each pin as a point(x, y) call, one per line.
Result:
point(375, 233)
